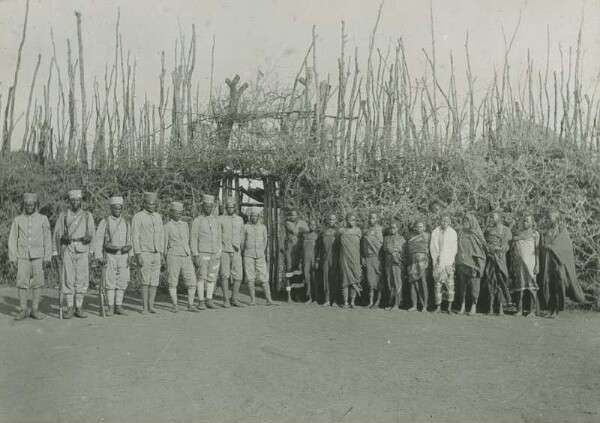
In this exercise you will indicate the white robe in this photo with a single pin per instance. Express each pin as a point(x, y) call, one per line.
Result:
point(443, 247)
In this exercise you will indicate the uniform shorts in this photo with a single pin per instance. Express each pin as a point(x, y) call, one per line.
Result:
point(256, 270)
point(180, 265)
point(76, 272)
point(208, 270)
point(116, 272)
point(30, 273)
point(231, 265)
point(150, 271)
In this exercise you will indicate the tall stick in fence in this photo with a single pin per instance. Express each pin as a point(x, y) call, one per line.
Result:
point(26, 133)
point(317, 91)
point(84, 116)
point(9, 121)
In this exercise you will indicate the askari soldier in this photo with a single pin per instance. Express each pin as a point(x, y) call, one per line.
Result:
point(113, 251)
point(178, 256)
point(205, 243)
point(73, 235)
point(29, 252)
point(147, 238)
point(254, 249)
point(232, 227)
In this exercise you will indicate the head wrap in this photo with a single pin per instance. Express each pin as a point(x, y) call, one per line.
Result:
point(230, 201)
point(29, 196)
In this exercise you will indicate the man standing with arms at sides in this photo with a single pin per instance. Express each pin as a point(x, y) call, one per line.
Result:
point(205, 243)
point(232, 227)
point(294, 228)
point(443, 247)
point(73, 235)
point(371, 244)
point(254, 249)
point(178, 256)
point(327, 252)
point(113, 249)
point(147, 238)
point(29, 252)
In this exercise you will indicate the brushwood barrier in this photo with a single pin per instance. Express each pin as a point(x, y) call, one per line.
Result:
point(403, 187)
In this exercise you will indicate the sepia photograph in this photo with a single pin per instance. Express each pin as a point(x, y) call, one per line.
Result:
point(313, 211)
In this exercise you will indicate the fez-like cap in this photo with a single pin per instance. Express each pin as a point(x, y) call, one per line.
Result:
point(29, 196)
point(176, 206)
point(150, 196)
point(75, 193)
point(208, 198)
point(230, 201)
point(115, 201)
point(255, 211)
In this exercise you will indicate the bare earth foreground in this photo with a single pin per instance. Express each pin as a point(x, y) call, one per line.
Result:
point(297, 363)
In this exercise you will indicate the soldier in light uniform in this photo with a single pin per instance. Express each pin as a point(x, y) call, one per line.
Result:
point(254, 250)
point(232, 227)
point(205, 243)
point(147, 239)
point(29, 252)
point(113, 249)
point(178, 256)
point(73, 235)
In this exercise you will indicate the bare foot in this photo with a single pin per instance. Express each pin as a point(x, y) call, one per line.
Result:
point(411, 309)
point(309, 301)
point(518, 314)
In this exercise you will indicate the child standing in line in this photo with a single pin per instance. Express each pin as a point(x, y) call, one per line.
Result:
point(394, 245)
point(309, 240)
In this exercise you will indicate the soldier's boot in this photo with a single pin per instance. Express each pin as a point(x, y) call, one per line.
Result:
point(35, 314)
point(80, 313)
point(68, 313)
point(202, 305)
point(22, 314)
point(210, 304)
point(236, 294)
point(119, 310)
point(109, 311)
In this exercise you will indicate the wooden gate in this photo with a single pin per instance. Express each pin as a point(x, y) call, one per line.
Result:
point(268, 201)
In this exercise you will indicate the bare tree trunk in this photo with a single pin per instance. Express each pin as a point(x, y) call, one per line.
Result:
point(84, 116)
point(10, 101)
point(35, 72)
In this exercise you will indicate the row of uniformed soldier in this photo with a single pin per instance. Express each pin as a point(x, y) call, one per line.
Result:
point(213, 248)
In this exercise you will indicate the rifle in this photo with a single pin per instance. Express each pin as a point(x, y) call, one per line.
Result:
point(60, 291)
point(102, 288)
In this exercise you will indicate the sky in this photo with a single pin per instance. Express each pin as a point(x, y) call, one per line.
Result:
point(273, 36)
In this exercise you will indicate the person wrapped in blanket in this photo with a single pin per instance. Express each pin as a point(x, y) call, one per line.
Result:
point(371, 244)
point(557, 266)
point(525, 264)
point(470, 262)
point(350, 266)
point(495, 275)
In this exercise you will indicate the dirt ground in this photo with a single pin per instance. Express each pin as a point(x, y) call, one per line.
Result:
point(296, 363)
